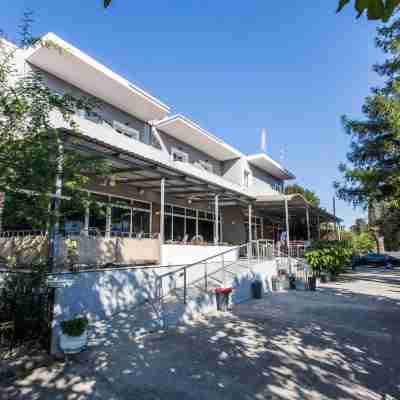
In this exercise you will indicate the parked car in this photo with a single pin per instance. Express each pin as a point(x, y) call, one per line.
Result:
point(374, 259)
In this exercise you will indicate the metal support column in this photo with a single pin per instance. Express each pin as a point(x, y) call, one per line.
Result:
point(108, 222)
point(216, 220)
point(87, 218)
point(319, 228)
point(250, 220)
point(249, 250)
point(308, 224)
point(162, 210)
point(56, 203)
point(287, 232)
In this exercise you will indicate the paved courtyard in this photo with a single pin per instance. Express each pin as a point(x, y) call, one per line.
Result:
point(341, 342)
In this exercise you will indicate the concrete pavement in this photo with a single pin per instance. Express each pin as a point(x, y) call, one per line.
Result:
point(341, 342)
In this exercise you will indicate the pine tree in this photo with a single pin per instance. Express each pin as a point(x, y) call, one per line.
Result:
point(373, 170)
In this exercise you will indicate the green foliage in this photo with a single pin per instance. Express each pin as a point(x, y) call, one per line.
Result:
point(328, 256)
point(376, 9)
point(360, 225)
point(32, 154)
point(363, 243)
point(309, 195)
point(373, 170)
point(74, 327)
point(17, 291)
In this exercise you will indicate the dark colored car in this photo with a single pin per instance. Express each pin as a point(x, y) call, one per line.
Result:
point(376, 259)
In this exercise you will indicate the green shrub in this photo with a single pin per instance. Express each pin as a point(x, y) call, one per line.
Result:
point(74, 327)
point(363, 243)
point(329, 256)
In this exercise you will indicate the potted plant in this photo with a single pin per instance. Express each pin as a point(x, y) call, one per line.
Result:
point(73, 338)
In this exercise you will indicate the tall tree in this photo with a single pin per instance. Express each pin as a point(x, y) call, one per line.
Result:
point(373, 170)
point(309, 195)
point(32, 158)
point(376, 9)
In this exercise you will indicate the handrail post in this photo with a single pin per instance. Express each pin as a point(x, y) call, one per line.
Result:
point(223, 269)
point(205, 277)
point(184, 285)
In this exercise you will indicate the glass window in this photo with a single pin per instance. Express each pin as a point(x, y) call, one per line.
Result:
point(97, 219)
point(179, 211)
point(190, 228)
point(179, 155)
point(179, 228)
point(100, 198)
point(168, 227)
point(205, 164)
point(74, 223)
point(206, 230)
point(120, 221)
point(142, 205)
point(121, 201)
point(190, 212)
point(168, 209)
point(141, 223)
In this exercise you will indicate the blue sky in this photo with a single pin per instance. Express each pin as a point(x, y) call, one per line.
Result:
point(235, 67)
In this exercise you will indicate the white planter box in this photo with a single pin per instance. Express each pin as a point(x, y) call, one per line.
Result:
point(73, 344)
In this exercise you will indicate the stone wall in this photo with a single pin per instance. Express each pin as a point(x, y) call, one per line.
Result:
point(24, 250)
point(90, 250)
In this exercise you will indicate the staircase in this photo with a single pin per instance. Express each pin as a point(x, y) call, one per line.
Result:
point(189, 291)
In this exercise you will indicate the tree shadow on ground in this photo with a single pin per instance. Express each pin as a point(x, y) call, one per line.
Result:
point(332, 344)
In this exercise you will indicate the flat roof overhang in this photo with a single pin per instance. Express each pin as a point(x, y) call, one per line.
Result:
point(274, 207)
point(181, 181)
point(187, 131)
point(269, 165)
point(75, 67)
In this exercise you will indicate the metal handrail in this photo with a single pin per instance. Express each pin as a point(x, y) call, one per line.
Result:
point(258, 255)
point(202, 261)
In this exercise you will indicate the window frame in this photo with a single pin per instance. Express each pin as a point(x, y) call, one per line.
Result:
point(179, 153)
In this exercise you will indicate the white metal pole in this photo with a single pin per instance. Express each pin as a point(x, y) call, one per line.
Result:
point(151, 221)
point(308, 224)
point(197, 223)
point(162, 210)
point(216, 220)
point(87, 217)
point(131, 224)
point(262, 228)
point(287, 232)
point(108, 222)
point(250, 220)
point(249, 249)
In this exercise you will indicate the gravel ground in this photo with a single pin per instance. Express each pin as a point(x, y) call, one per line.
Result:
point(341, 342)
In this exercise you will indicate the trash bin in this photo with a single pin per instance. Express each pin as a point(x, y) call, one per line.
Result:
point(292, 282)
point(312, 283)
point(256, 289)
point(222, 298)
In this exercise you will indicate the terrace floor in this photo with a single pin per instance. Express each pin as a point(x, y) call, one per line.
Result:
point(341, 342)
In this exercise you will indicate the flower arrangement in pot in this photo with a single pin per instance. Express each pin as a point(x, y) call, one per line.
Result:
point(73, 338)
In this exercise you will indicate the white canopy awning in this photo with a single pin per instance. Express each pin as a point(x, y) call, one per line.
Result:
point(274, 206)
point(75, 67)
point(269, 165)
point(187, 131)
